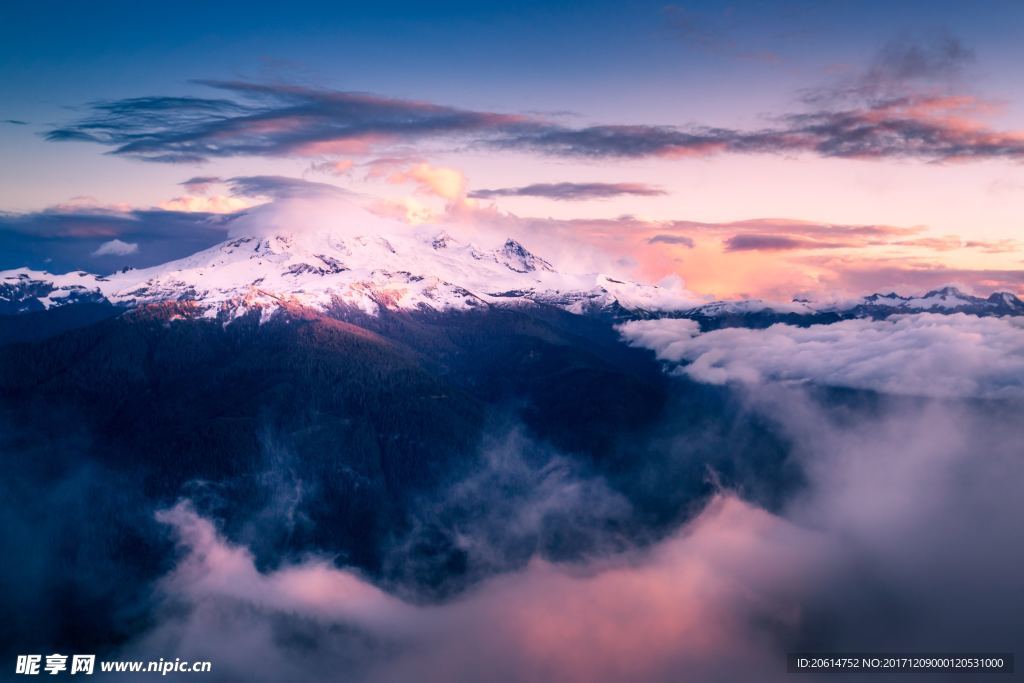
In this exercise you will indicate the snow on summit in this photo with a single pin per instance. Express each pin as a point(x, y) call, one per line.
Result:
point(412, 269)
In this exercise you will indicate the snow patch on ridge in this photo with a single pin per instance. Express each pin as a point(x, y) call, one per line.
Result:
point(419, 269)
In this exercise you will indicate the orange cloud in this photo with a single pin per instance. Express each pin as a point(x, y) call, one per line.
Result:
point(444, 182)
point(206, 203)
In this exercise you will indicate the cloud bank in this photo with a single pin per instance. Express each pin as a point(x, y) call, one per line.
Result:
point(896, 542)
point(681, 607)
point(925, 354)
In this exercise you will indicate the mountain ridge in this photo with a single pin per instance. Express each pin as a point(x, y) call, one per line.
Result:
point(421, 270)
point(369, 272)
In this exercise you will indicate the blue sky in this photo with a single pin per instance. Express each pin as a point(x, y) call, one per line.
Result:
point(600, 59)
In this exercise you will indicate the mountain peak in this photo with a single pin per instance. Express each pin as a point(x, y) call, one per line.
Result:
point(402, 270)
point(516, 257)
point(948, 291)
point(1006, 299)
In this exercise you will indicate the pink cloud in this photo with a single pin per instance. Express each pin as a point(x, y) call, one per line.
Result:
point(687, 604)
point(205, 203)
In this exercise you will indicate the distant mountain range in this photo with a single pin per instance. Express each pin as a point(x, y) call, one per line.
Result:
point(422, 271)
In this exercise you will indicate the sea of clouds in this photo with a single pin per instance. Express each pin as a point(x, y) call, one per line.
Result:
point(901, 538)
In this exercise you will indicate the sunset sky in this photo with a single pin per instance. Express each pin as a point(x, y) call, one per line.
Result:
point(752, 149)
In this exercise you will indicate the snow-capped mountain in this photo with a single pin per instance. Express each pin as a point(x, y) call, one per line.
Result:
point(24, 291)
point(422, 270)
point(416, 270)
point(944, 300)
point(947, 299)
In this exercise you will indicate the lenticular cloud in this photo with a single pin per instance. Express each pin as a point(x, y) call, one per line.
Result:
point(939, 356)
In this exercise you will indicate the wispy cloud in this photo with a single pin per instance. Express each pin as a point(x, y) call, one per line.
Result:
point(680, 240)
point(571, 191)
point(953, 242)
point(631, 141)
point(241, 192)
point(268, 120)
point(282, 187)
point(200, 184)
point(922, 127)
point(935, 63)
point(335, 168)
point(756, 242)
point(739, 234)
point(895, 108)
